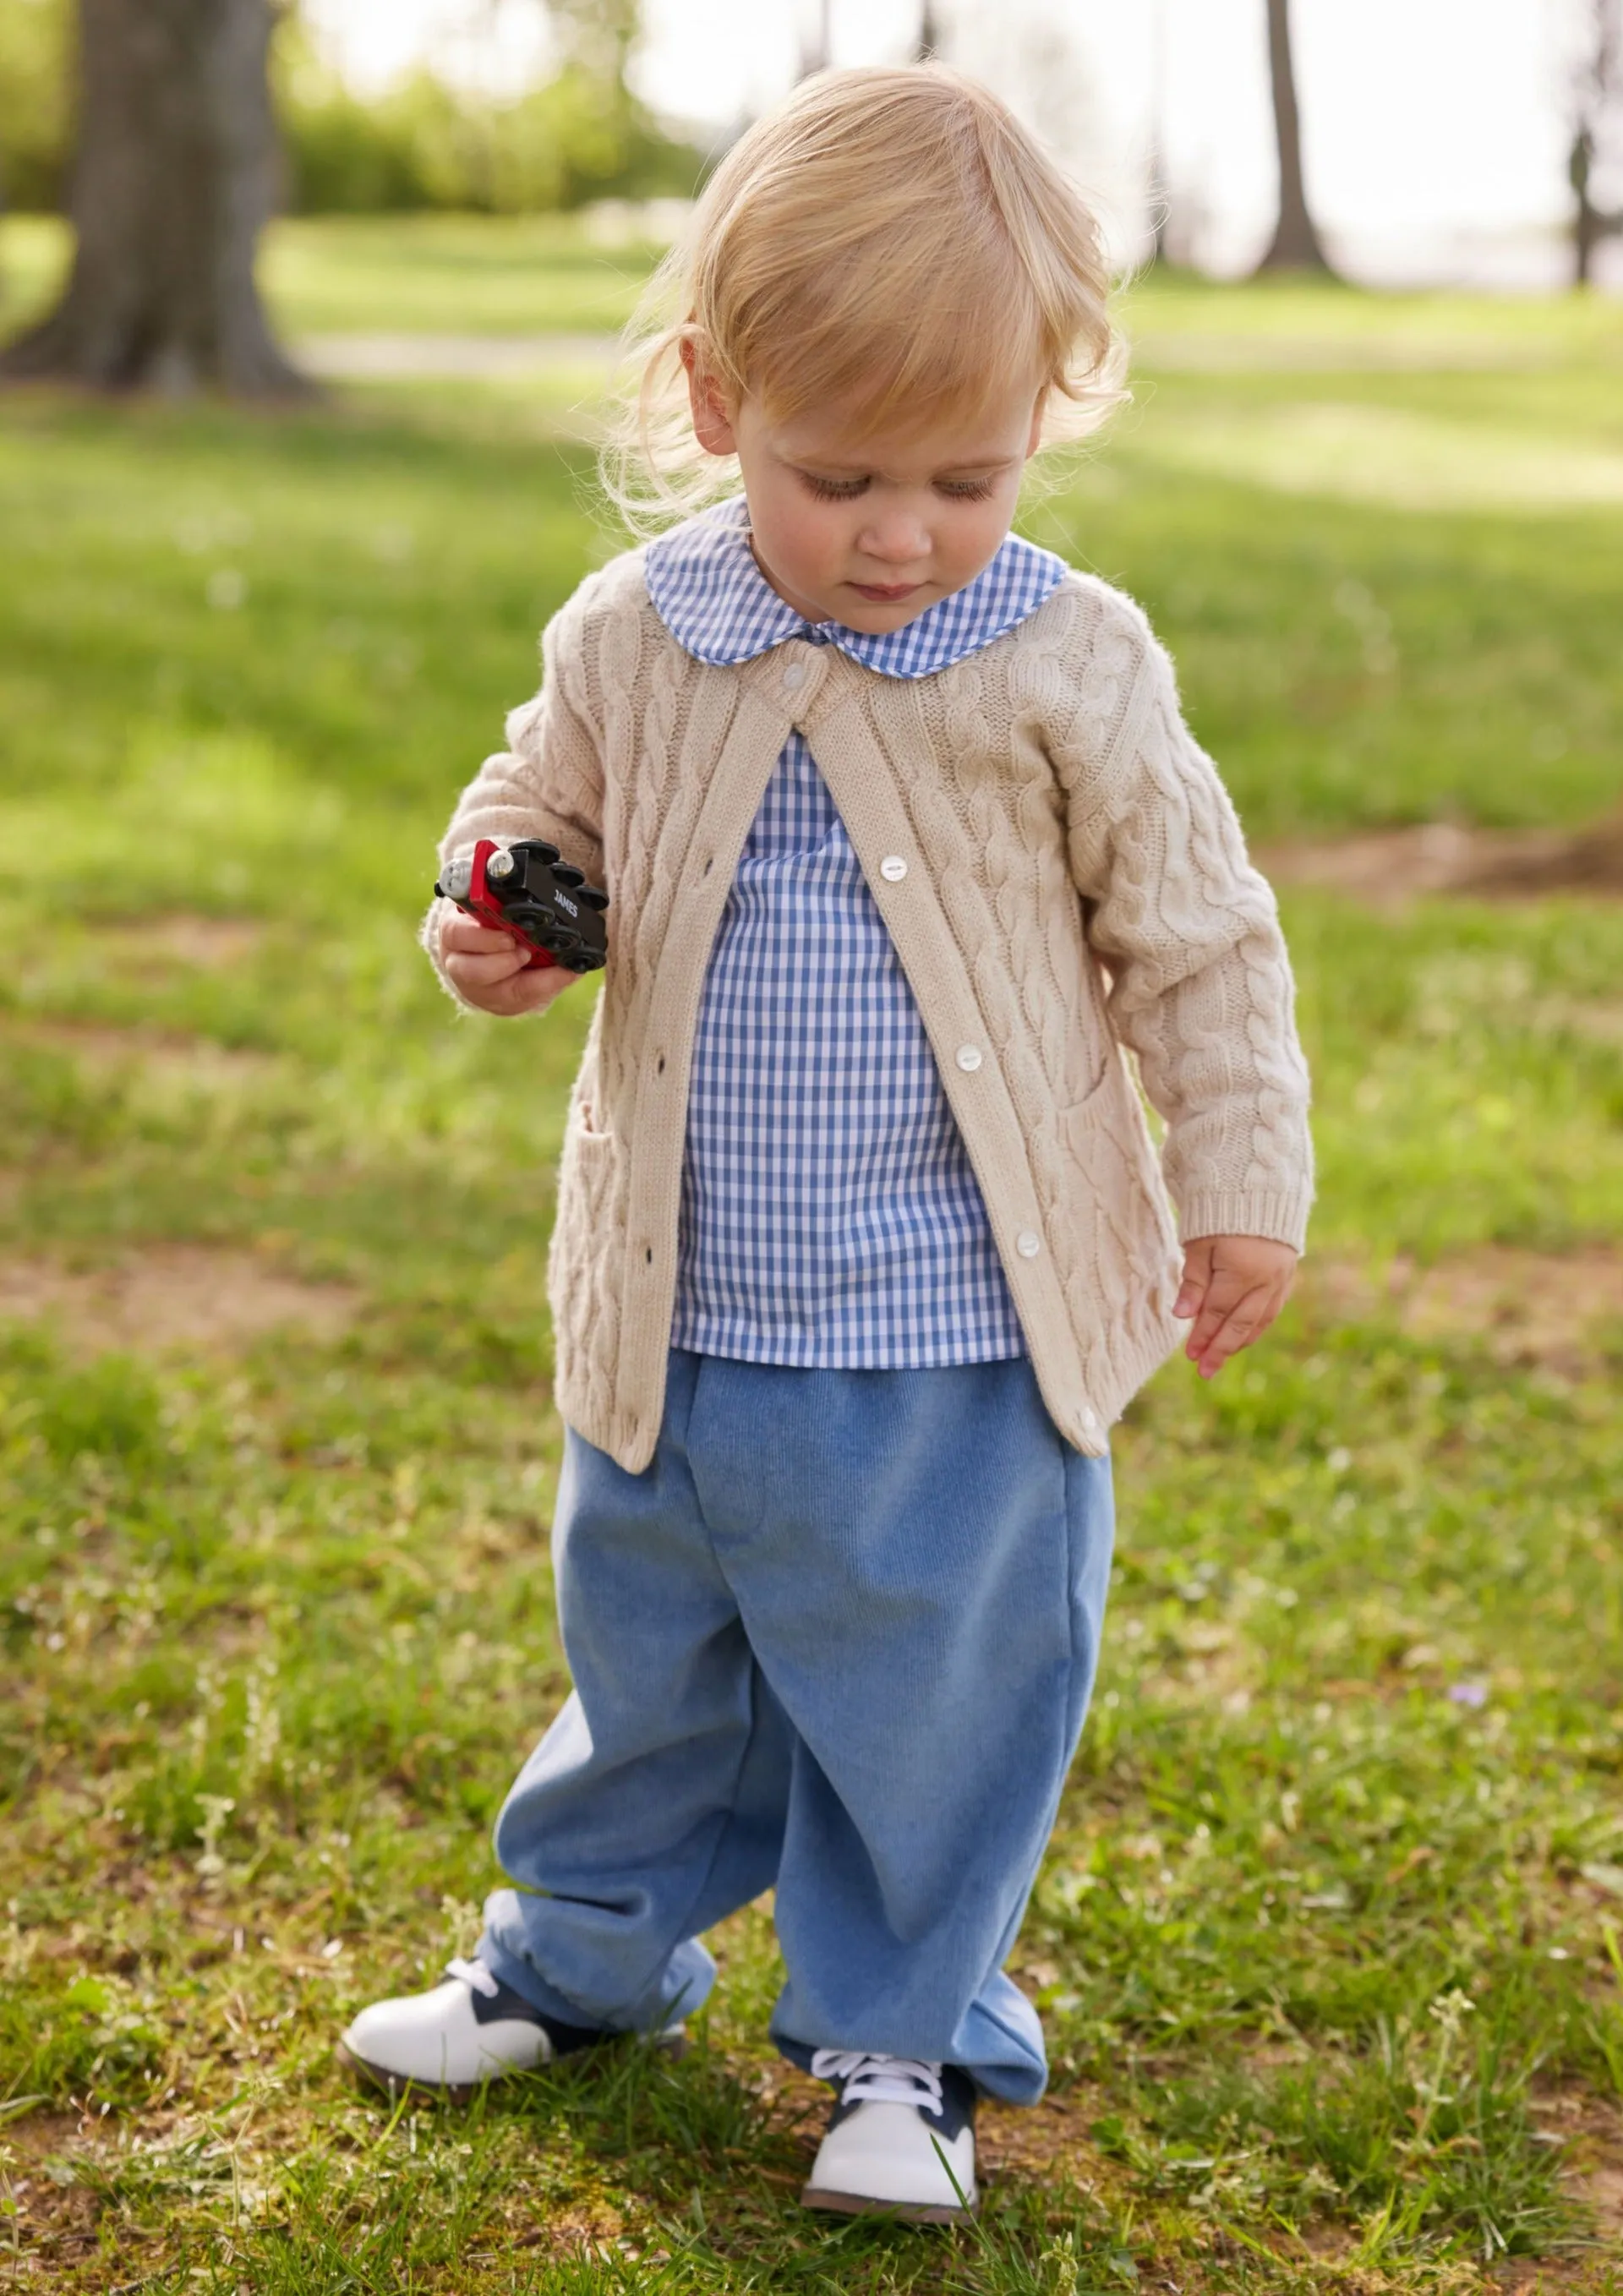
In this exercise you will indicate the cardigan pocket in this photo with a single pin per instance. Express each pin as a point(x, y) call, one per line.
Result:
point(587, 1172)
point(1079, 1119)
point(590, 1181)
point(1108, 1141)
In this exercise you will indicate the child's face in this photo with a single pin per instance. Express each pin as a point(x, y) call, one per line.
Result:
point(868, 530)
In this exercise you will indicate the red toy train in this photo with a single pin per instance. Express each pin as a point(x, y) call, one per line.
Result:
point(529, 890)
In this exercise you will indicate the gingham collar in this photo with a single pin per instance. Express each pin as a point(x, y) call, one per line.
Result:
point(717, 603)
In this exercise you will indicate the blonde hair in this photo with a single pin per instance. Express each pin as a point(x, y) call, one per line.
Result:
point(888, 240)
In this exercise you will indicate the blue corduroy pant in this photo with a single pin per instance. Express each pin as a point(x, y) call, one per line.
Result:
point(836, 1640)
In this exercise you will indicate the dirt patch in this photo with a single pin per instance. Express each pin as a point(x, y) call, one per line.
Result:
point(187, 1298)
point(169, 1057)
point(1530, 1307)
point(1439, 857)
point(1591, 2135)
point(1045, 2143)
point(180, 938)
point(55, 2217)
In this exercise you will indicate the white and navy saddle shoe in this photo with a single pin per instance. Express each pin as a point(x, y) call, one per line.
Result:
point(470, 2030)
point(901, 2138)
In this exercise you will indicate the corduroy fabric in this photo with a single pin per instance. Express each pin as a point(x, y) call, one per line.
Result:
point(1076, 881)
point(849, 1663)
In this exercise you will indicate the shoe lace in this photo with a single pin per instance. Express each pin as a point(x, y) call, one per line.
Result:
point(865, 2078)
point(474, 1973)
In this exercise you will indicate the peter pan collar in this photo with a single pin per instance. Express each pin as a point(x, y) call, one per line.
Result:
point(713, 598)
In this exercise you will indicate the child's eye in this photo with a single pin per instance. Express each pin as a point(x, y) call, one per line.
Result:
point(829, 490)
point(965, 489)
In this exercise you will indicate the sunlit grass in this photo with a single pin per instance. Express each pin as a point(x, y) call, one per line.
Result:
point(1327, 1944)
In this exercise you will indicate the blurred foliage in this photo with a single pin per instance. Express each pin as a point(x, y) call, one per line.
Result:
point(36, 71)
point(578, 136)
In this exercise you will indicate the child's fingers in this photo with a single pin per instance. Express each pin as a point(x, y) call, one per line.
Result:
point(485, 970)
point(531, 989)
point(465, 936)
point(1246, 1320)
point(1196, 1276)
point(1222, 1295)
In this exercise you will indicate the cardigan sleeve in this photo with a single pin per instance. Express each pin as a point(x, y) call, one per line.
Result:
point(1201, 985)
point(548, 782)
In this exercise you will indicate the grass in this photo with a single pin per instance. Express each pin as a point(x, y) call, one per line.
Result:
point(429, 274)
point(1328, 1940)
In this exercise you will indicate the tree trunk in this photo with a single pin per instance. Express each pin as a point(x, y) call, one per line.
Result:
point(1596, 87)
point(174, 175)
point(1296, 242)
point(816, 46)
point(1586, 223)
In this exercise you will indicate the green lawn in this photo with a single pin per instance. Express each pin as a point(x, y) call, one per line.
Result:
point(429, 274)
point(1328, 1944)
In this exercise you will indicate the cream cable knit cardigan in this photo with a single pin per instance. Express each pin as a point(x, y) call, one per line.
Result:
point(1063, 875)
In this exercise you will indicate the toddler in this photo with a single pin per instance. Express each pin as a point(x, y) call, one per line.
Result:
point(861, 1244)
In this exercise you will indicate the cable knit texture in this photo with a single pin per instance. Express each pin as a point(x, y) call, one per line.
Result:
point(1076, 883)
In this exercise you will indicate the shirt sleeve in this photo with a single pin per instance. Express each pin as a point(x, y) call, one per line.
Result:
point(1200, 984)
point(548, 782)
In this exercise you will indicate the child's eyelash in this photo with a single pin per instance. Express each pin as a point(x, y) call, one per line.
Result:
point(962, 490)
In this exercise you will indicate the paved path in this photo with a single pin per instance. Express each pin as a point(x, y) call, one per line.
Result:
point(485, 358)
point(495, 358)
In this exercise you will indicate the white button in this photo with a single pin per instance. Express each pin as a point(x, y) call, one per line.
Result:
point(893, 867)
point(1027, 1243)
point(969, 1057)
point(794, 674)
point(1089, 1422)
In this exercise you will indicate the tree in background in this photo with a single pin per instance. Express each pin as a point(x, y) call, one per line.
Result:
point(177, 167)
point(1597, 125)
point(174, 173)
point(816, 44)
point(1295, 245)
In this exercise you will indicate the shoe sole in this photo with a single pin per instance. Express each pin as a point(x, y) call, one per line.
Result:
point(400, 2085)
point(862, 2204)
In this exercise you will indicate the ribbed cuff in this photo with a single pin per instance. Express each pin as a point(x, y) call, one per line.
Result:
point(1280, 1218)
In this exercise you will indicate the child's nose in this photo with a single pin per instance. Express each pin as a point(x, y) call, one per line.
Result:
point(895, 540)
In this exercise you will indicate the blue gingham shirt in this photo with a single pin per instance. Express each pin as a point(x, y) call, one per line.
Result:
point(830, 1215)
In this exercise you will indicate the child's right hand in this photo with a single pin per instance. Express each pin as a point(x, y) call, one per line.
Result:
point(490, 970)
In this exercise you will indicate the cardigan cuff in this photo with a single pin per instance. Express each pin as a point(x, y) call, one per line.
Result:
point(1280, 1216)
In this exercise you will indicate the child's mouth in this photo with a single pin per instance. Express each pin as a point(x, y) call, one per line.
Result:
point(886, 594)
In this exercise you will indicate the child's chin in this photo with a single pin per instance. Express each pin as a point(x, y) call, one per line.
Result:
point(875, 617)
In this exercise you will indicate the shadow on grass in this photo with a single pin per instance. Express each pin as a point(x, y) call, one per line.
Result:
point(623, 2171)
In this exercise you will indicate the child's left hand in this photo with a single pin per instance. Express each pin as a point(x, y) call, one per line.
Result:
point(1234, 1286)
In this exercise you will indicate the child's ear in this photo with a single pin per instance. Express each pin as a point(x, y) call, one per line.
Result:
point(1036, 440)
point(712, 417)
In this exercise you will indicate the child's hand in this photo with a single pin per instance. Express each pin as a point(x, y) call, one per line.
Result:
point(491, 970)
point(1234, 1286)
